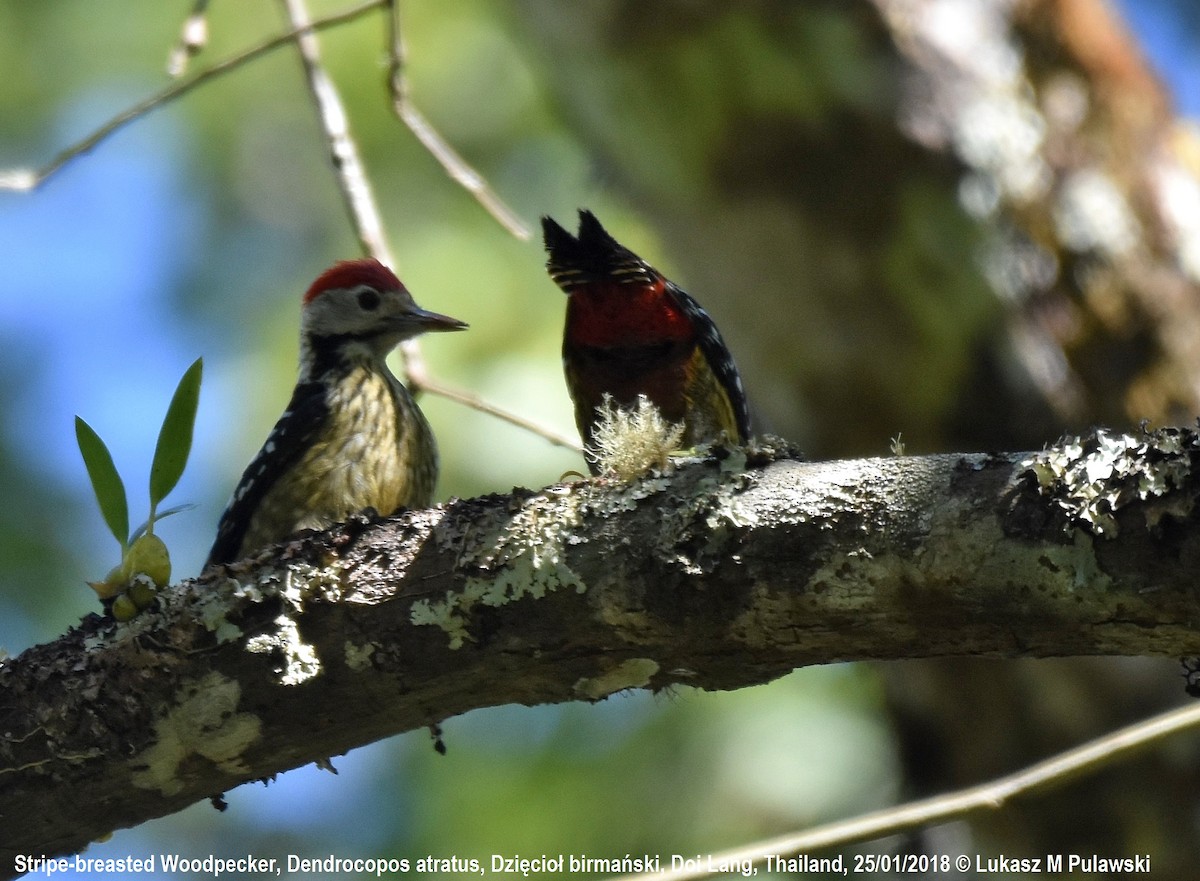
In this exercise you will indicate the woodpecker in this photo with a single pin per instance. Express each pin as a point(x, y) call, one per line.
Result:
point(352, 437)
point(630, 331)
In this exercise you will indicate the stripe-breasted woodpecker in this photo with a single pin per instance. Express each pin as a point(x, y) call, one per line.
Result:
point(630, 331)
point(352, 437)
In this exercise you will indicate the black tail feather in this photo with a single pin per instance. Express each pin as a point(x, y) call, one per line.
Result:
point(591, 255)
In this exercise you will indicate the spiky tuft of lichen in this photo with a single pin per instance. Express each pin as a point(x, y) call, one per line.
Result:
point(628, 442)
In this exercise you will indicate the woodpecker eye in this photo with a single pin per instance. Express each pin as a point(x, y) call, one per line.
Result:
point(368, 300)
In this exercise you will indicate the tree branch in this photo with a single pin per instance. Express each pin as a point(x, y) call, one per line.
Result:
point(468, 399)
point(724, 572)
point(353, 183)
point(25, 179)
point(991, 795)
point(452, 163)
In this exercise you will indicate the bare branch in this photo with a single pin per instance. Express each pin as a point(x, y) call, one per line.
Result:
point(993, 795)
point(475, 402)
point(455, 166)
point(26, 179)
point(353, 182)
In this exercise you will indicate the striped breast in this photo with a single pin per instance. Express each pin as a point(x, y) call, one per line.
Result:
point(375, 450)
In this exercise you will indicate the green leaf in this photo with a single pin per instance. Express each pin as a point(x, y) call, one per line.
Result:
point(175, 437)
point(106, 482)
point(161, 515)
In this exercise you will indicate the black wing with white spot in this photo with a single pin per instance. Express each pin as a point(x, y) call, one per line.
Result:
point(295, 432)
point(718, 357)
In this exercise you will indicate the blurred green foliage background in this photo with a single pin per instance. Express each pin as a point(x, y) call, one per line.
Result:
point(736, 147)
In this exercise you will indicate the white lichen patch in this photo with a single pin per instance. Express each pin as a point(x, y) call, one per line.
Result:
point(205, 723)
point(295, 585)
point(521, 556)
point(300, 661)
point(523, 553)
point(212, 608)
point(209, 607)
point(1078, 561)
point(1091, 479)
point(630, 673)
point(358, 657)
point(694, 493)
point(626, 496)
point(448, 615)
point(723, 496)
point(714, 501)
point(302, 582)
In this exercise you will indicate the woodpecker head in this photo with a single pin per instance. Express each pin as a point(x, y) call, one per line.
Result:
point(362, 302)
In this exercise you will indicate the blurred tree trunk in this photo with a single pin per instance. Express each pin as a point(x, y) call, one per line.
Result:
point(972, 222)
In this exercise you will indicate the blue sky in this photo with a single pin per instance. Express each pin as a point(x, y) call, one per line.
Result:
point(1170, 35)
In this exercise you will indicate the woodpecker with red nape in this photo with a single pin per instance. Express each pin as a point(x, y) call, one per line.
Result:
point(352, 437)
point(630, 331)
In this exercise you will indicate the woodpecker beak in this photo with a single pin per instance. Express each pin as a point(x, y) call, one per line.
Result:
point(430, 322)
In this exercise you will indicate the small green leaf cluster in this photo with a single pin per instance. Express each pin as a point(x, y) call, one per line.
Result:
point(145, 564)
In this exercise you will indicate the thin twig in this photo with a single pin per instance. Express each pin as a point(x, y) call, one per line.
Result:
point(193, 37)
point(453, 164)
point(353, 182)
point(1054, 771)
point(365, 217)
point(477, 403)
point(26, 179)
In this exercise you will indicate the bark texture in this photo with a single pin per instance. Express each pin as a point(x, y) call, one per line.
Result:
point(722, 572)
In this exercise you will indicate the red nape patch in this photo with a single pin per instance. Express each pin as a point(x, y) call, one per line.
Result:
point(352, 273)
point(608, 314)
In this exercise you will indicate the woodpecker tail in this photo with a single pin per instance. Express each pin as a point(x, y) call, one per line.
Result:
point(590, 256)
